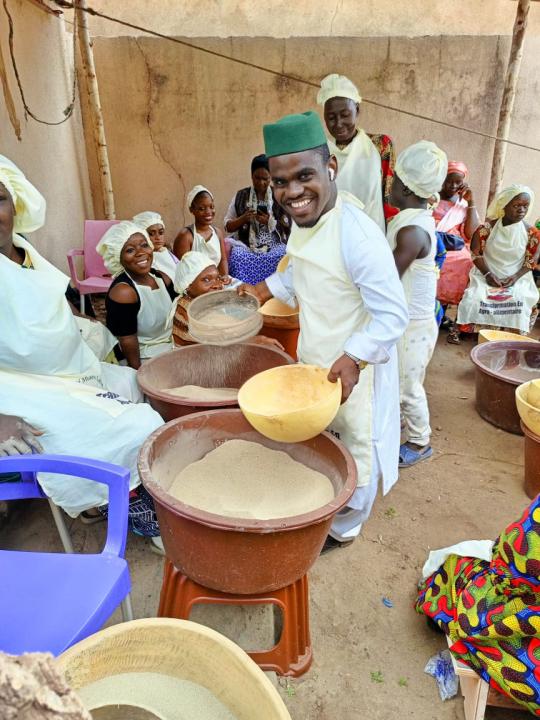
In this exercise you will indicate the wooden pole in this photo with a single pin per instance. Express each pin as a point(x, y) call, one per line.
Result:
point(87, 56)
point(509, 95)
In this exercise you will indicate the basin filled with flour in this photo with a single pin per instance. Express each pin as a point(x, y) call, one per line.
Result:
point(168, 669)
point(203, 377)
point(255, 522)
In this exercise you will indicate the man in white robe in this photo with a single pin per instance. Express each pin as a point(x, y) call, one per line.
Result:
point(352, 307)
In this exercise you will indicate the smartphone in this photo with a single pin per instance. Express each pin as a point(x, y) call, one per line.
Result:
point(262, 210)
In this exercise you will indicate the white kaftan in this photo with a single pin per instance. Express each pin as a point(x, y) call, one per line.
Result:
point(343, 275)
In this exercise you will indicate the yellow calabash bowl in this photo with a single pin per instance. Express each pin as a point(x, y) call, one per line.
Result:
point(529, 413)
point(501, 336)
point(290, 404)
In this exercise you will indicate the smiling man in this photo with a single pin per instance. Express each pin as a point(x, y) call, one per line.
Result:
point(352, 306)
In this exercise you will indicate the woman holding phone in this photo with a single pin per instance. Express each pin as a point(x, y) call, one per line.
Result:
point(257, 227)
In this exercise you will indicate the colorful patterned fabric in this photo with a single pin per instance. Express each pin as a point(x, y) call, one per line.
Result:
point(533, 233)
point(440, 258)
point(142, 518)
point(491, 610)
point(385, 146)
point(252, 268)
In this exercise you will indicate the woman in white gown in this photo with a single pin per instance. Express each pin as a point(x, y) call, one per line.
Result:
point(502, 292)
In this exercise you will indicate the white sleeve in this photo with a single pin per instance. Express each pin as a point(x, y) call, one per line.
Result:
point(281, 285)
point(230, 214)
point(370, 265)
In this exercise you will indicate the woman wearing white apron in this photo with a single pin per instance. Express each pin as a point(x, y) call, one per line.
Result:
point(420, 173)
point(202, 236)
point(164, 261)
point(352, 307)
point(502, 291)
point(139, 301)
point(49, 377)
point(365, 162)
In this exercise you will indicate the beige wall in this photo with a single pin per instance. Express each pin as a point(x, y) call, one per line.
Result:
point(305, 18)
point(52, 157)
point(176, 117)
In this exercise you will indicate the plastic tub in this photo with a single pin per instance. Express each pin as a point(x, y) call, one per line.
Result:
point(234, 555)
point(486, 335)
point(180, 649)
point(500, 368)
point(529, 414)
point(531, 454)
point(282, 323)
point(290, 403)
point(207, 366)
point(224, 318)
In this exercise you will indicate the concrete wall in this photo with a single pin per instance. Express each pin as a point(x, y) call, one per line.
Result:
point(305, 18)
point(176, 117)
point(53, 158)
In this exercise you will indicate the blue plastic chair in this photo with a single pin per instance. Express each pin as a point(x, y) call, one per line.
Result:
point(49, 601)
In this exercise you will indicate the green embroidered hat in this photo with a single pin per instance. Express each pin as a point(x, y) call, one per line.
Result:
point(293, 133)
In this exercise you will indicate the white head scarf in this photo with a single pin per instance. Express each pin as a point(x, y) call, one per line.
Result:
point(497, 205)
point(30, 205)
point(111, 244)
point(147, 219)
point(337, 86)
point(422, 167)
point(190, 266)
point(192, 194)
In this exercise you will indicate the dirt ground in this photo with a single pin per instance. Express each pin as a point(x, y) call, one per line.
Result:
point(369, 658)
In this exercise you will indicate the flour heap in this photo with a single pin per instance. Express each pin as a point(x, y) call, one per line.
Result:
point(243, 479)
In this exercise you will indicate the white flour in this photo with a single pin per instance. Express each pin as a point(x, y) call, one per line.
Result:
point(246, 480)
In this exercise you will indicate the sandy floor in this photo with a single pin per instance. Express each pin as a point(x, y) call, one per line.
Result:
point(369, 658)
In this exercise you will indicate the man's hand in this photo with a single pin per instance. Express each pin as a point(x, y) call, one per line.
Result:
point(260, 291)
point(263, 340)
point(18, 437)
point(348, 371)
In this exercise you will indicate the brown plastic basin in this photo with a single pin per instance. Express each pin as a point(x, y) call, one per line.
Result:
point(281, 323)
point(207, 366)
point(234, 555)
point(500, 368)
point(531, 479)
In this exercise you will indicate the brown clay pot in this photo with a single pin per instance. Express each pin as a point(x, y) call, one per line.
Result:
point(235, 555)
point(500, 368)
point(531, 480)
point(207, 366)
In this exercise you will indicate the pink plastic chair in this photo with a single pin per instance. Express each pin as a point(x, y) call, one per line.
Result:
point(97, 278)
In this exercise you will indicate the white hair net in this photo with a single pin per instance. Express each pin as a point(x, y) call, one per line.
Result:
point(422, 167)
point(111, 244)
point(30, 205)
point(190, 266)
point(192, 194)
point(497, 205)
point(337, 86)
point(147, 219)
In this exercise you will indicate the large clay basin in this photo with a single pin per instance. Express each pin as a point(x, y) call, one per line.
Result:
point(500, 368)
point(235, 555)
point(207, 366)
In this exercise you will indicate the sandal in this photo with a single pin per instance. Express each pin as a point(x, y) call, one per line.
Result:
point(409, 457)
point(453, 336)
point(89, 518)
point(332, 544)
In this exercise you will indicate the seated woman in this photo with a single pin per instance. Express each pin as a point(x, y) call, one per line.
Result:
point(195, 277)
point(502, 292)
point(486, 598)
point(139, 300)
point(202, 236)
point(164, 259)
point(456, 218)
point(258, 227)
point(49, 377)
point(18, 192)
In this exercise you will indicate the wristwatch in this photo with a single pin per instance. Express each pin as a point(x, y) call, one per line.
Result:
point(360, 364)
